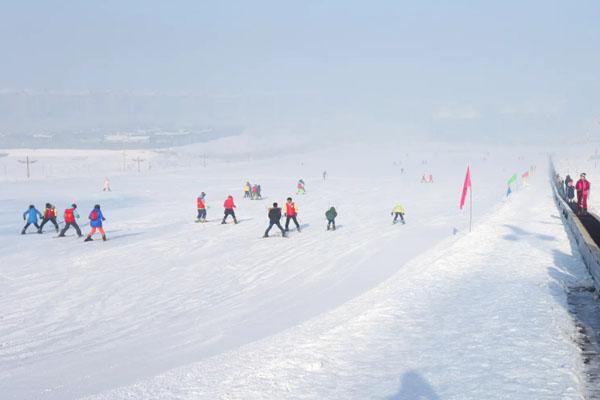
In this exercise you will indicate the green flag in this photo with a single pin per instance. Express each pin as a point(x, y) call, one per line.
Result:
point(512, 179)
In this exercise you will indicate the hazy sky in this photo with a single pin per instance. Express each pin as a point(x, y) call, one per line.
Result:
point(432, 67)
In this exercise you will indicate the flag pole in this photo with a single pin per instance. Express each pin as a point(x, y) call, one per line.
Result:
point(471, 207)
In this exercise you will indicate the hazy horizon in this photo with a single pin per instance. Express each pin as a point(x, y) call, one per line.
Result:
point(490, 72)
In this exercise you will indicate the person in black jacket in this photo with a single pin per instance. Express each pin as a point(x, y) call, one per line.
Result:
point(274, 217)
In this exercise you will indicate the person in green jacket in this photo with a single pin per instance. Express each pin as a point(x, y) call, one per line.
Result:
point(330, 215)
point(398, 211)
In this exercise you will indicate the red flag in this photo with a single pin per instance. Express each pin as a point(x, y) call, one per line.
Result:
point(466, 187)
point(525, 174)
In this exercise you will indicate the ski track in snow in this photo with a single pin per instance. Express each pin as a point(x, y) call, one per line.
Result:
point(275, 318)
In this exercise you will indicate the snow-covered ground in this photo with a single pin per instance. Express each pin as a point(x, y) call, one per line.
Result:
point(168, 308)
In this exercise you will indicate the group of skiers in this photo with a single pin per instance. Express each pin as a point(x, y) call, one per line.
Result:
point(275, 214)
point(581, 187)
point(252, 192)
point(31, 216)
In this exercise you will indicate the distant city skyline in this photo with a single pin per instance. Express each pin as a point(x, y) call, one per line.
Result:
point(521, 70)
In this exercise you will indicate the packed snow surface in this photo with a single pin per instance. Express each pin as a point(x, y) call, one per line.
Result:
point(170, 308)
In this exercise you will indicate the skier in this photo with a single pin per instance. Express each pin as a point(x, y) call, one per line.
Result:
point(49, 215)
point(96, 217)
point(71, 215)
point(583, 191)
point(291, 213)
point(247, 187)
point(258, 190)
point(253, 195)
point(301, 187)
point(106, 187)
point(330, 215)
point(229, 206)
point(398, 211)
point(274, 218)
point(201, 208)
point(324, 175)
point(31, 216)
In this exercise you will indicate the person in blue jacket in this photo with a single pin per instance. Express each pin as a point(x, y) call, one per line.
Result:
point(31, 216)
point(96, 219)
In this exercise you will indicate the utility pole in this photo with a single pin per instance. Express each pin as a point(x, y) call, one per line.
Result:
point(27, 161)
point(138, 160)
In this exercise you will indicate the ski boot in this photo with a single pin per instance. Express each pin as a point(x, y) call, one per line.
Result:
point(104, 238)
point(88, 239)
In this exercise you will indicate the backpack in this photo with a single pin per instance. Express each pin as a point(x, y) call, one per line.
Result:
point(93, 215)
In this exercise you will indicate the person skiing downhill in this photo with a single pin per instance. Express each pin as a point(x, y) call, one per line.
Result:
point(258, 192)
point(96, 217)
point(331, 214)
point(31, 216)
point(71, 215)
point(398, 212)
point(274, 218)
point(229, 205)
point(301, 187)
point(49, 215)
point(291, 213)
point(201, 206)
point(583, 191)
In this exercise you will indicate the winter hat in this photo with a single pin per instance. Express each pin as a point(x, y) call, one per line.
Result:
point(31, 206)
point(275, 205)
point(289, 199)
point(97, 206)
point(74, 205)
point(48, 205)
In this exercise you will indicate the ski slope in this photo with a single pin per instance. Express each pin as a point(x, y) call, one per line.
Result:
point(169, 308)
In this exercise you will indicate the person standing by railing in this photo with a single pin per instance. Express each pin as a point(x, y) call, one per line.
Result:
point(583, 191)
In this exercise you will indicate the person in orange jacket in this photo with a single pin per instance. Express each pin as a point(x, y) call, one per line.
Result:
point(49, 215)
point(201, 205)
point(291, 213)
point(229, 206)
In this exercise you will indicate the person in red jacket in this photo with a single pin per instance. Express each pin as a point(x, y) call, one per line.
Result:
point(229, 206)
point(71, 216)
point(49, 215)
point(291, 213)
point(201, 208)
point(583, 191)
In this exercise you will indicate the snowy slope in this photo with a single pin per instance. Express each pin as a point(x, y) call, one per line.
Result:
point(165, 292)
point(483, 317)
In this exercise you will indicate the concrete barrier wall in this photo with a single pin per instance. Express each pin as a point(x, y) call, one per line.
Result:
point(586, 245)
